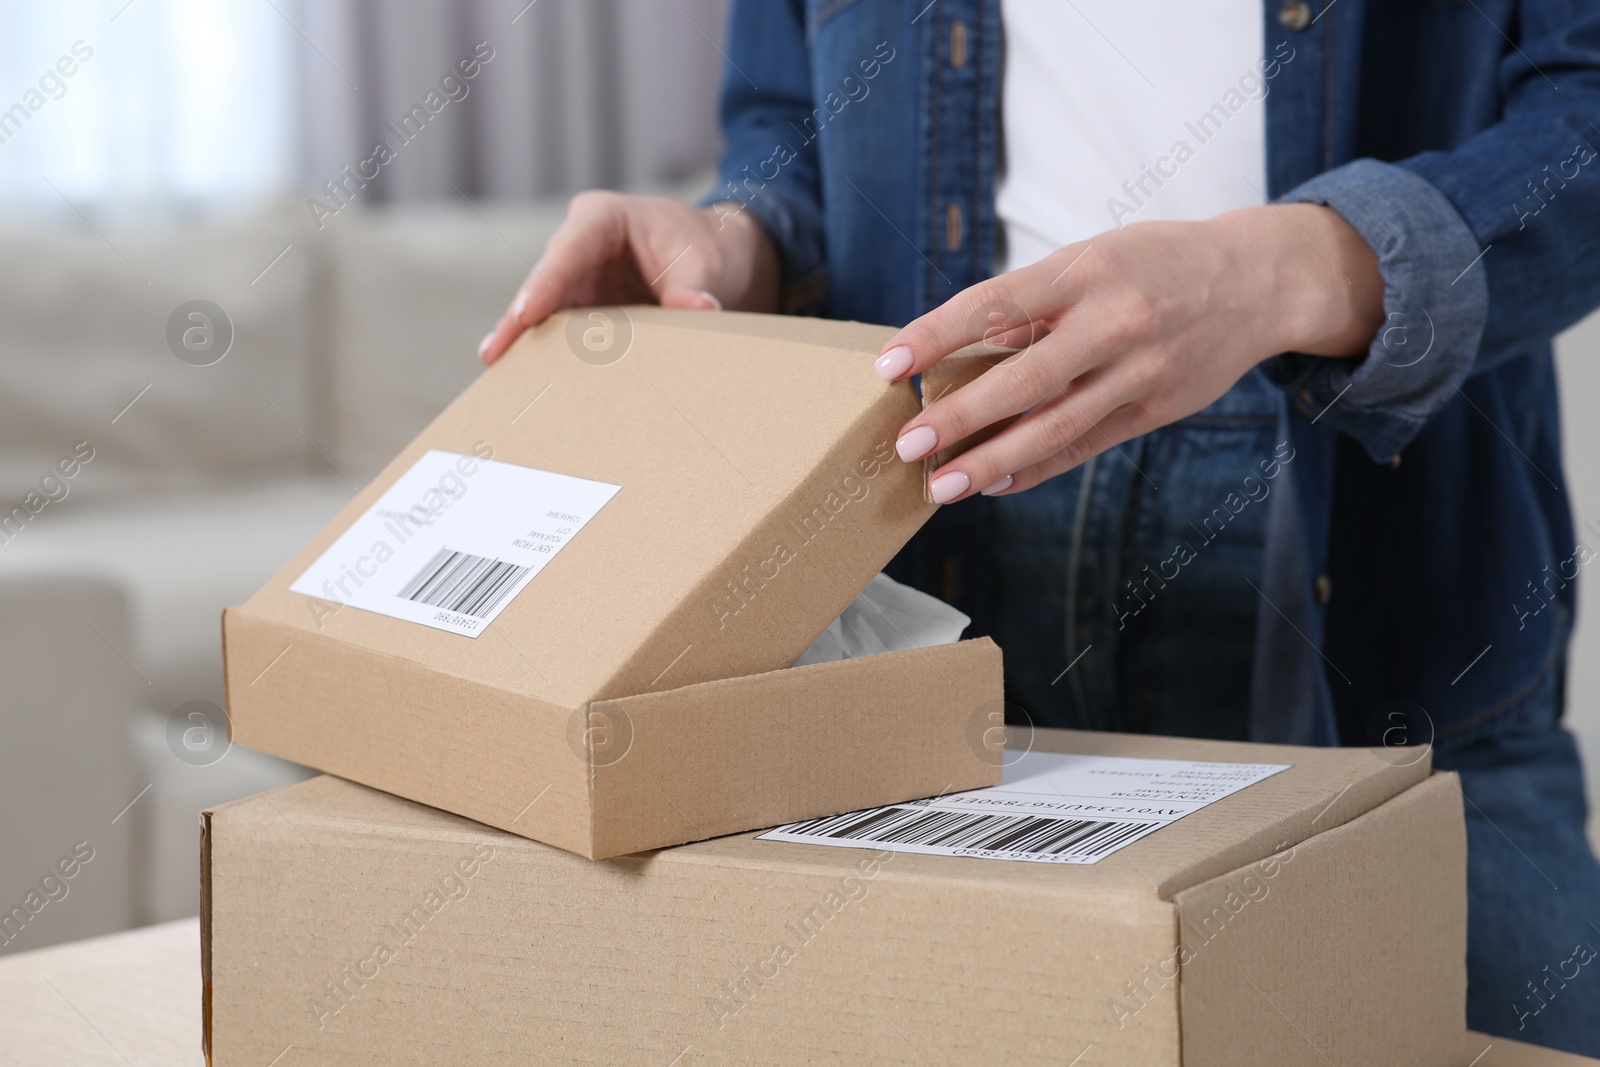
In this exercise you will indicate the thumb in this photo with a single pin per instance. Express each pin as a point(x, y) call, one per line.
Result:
point(678, 296)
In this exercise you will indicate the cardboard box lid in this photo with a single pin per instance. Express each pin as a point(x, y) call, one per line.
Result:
point(759, 493)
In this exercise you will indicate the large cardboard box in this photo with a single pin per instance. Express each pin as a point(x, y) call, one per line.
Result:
point(1317, 916)
point(570, 607)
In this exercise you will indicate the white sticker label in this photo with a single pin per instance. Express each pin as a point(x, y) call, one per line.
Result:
point(1048, 808)
point(453, 541)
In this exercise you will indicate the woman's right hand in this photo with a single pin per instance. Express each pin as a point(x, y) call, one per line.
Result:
point(620, 249)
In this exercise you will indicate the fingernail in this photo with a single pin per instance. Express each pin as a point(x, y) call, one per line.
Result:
point(716, 305)
point(998, 487)
point(947, 487)
point(483, 345)
point(520, 306)
point(917, 443)
point(894, 363)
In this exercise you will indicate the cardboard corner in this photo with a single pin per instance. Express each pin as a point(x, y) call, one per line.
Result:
point(1261, 945)
point(227, 687)
point(205, 934)
point(386, 713)
point(945, 377)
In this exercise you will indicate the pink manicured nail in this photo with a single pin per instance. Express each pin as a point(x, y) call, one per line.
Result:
point(947, 487)
point(917, 443)
point(520, 306)
point(893, 364)
point(998, 487)
point(484, 344)
point(716, 304)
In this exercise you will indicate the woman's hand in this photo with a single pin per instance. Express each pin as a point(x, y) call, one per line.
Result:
point(1130, 331)
point(617, 249)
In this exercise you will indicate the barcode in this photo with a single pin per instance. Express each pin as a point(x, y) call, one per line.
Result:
point(1030, 835)
point(463, 583)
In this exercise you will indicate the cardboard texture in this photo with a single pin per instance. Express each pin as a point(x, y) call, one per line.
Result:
point(637, 693)
point(1316, 917)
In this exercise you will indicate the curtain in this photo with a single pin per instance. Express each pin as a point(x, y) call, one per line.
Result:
point(579, 93)
point(196, 102)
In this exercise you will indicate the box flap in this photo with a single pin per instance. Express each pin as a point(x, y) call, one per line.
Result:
point(759, 493)
point(1262, 946)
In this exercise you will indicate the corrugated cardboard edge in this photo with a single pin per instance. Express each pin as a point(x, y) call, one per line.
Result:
point(205, 934)
point(945, 377)
point(207, 887)
point(205, 878)
point(848, 335)
point(1420, 933)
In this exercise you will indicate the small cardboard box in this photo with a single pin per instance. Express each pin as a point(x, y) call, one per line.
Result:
point(674, 504)
point(1315, 917)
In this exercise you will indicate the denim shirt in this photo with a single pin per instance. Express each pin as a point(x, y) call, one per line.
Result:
point(1426, 552)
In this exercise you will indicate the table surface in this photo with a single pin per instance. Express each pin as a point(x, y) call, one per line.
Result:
point(133, 999)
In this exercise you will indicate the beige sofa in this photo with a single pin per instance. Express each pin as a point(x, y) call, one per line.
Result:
point(200, 481)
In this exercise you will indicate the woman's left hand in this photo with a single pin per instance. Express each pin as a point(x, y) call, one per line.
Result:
point(1132, 330)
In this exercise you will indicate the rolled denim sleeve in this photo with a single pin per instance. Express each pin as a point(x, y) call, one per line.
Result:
point(1487, 249)
point(1434, 308)
point(766, 96)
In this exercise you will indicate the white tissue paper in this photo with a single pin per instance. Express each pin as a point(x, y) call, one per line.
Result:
point(886, 617)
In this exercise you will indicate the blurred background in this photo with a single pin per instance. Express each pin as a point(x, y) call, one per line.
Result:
point(166, 159)
point(247, 250)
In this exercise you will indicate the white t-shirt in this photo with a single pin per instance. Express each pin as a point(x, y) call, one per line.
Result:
point(1117, 112)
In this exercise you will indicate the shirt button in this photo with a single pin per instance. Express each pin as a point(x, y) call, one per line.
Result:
point(952, 228)
point(1295, 15)
point(1394, 461)
point(1322, 588)
point(958, 44)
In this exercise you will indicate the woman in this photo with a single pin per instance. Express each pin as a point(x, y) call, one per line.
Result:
point(1286, 470)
